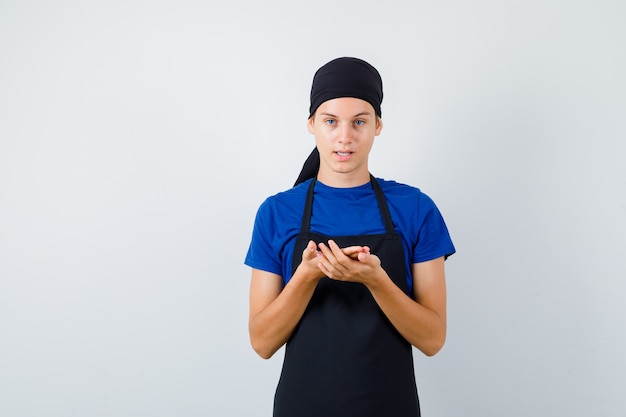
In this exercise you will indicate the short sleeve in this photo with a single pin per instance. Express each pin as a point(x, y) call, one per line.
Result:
point(262, 253)
point(433, 238)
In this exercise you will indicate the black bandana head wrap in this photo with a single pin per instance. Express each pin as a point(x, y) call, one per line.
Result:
point(347, 77)
point(342, 77)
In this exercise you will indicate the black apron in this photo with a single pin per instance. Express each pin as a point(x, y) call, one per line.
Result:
point(345, 358)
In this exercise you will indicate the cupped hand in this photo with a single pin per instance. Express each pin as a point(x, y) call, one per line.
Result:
point(353, 263)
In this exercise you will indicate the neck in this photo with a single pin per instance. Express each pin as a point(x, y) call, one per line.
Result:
point(343, 180)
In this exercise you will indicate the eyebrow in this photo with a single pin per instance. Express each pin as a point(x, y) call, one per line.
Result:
point(364, 113)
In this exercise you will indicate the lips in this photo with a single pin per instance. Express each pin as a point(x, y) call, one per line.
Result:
point(343, 156)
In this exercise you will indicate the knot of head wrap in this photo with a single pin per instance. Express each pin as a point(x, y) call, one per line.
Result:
point(347, 77)
point(341, 77)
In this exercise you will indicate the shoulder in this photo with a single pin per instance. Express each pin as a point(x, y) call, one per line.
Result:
point(278, 221)
point(403, 193)
point(396, 187)
point(287, 196)
point(284, 202)
point(419, 220)
point(409, 203)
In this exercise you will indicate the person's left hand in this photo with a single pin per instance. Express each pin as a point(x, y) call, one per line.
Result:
point(352, 263)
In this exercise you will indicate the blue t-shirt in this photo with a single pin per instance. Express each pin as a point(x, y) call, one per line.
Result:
point(347, 212)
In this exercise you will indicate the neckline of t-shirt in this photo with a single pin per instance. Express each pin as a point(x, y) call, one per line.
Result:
point(324, 187)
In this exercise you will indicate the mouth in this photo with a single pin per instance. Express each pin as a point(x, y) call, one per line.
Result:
point(343, 156)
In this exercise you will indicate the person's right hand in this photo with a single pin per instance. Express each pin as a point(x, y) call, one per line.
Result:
point(310, 261)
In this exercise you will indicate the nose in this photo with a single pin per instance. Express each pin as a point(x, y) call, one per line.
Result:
point(346, 133)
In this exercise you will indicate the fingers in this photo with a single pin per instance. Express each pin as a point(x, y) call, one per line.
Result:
point(328, 259)
point(309, 266)
point(348, 250)
point(336, 250)
point(353, 251)
point(310, 252)
point(340, 263)
point(365, 257)
point(333, 255)
point(352, 263)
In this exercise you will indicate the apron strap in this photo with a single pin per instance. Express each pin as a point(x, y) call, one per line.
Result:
point(308, 208)
point(382, 205)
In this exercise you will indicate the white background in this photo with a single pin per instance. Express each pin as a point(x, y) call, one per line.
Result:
point(138, 138)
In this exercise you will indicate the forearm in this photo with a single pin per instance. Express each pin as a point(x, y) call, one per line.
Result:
point(421, 326)
point(271, 327)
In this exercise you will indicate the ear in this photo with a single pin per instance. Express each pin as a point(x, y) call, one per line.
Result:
point(379, 126)
point(309, 124)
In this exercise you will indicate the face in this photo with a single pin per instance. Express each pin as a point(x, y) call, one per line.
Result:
point(344, 130)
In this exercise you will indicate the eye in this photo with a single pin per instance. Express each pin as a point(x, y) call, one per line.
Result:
point(359, 122)
point(330, 122)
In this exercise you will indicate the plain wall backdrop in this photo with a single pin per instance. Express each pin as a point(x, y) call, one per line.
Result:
point(138, 138)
